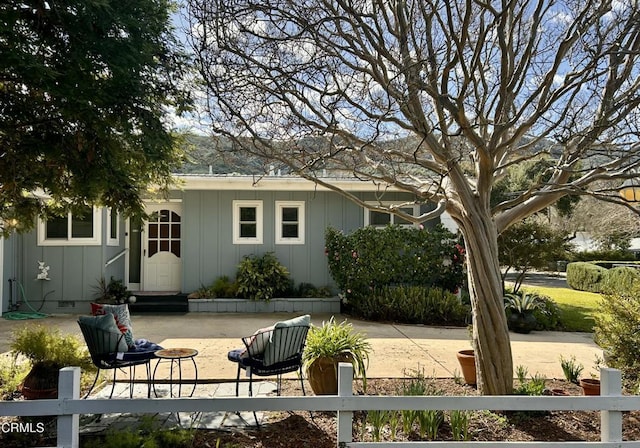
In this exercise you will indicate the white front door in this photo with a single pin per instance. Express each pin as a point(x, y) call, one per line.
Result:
point(161, 248)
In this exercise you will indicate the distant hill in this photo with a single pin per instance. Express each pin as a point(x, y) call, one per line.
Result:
point(215, 155)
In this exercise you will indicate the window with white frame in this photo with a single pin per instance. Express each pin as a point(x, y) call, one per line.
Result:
point(113, 227)
point(247, 222)
point(73, 229)
point(290, 222)
point(377, 218)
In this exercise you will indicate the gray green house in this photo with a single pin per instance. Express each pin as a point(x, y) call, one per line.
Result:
point(201, 233)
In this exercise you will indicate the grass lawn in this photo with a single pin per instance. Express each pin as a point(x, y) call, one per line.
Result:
point(577, 307)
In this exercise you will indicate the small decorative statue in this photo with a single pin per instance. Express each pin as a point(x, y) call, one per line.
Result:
point(44, 271)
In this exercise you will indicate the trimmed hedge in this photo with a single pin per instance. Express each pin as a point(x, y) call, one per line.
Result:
point(585, 276)
point(413, 305)
point(621, 278)
point(592, 277)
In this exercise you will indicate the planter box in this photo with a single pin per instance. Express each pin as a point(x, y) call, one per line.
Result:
point(293, 305)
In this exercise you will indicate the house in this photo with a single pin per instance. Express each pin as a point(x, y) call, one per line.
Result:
point(200, 233)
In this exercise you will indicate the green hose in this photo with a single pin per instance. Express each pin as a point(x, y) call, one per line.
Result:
point(24, 315)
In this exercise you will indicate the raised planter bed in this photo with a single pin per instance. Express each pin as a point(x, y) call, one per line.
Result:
point(289, 305)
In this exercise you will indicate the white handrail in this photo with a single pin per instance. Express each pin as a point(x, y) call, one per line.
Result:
point(115, 257)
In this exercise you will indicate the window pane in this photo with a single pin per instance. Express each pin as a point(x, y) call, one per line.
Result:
point(379, 218)
point(175, 217)
point(164, 230)
point(153, 230)
point(290, 214)
point(113, 231)
point(175, 230)
point(57, 228)
point(248, 214)
point(248, 231)
point(175, 248)
point(164, 246)
point(82, 226)
point(164, 215)
point(290, 230)
point(153, 248)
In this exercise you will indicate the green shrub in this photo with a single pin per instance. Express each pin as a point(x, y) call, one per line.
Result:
point(309, 290)
point(616, 330)
point(261, 278)
point(40, 343)
point(371, 257)
point(604, 255)
point(11, 375)
point(547, 315)
point(586, 276)
point(412, 304)
point(622, 278)
point(545, 310)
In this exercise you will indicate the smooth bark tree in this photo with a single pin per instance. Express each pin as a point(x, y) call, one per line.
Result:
point(433, 97)
point(85, 87)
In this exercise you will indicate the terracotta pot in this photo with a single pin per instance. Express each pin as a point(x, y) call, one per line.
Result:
point(590, 386)
point(467, 361)
point(323, 375)
point(559, 393)
point(41, 382)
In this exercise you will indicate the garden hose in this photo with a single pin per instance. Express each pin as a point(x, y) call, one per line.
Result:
point(24, 315)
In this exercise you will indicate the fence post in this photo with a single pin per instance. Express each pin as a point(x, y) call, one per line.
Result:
point(345, 389)
point(69, 424)
point(610, 421)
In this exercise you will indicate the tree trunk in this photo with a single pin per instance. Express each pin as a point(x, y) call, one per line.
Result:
point(490, 332)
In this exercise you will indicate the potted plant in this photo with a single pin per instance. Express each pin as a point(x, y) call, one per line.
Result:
point(47, 350)
point(520, 311)
point(467, 360)
point(329, 345)
point(590, 386)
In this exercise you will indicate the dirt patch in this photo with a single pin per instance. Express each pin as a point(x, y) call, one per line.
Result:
point(299, 429)
point(319, 429)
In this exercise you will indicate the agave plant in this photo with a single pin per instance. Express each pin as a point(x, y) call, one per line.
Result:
point(522, 303)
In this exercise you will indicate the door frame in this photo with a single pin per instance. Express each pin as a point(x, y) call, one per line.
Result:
point(141, 286)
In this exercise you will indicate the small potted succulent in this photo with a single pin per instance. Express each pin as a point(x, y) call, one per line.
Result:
point(329, 345)
point(520, 311)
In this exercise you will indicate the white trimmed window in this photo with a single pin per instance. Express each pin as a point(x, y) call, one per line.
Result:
point(377, 218)
point(290, 222)
point(71, 230)
point(113, 227)
point(247, 222)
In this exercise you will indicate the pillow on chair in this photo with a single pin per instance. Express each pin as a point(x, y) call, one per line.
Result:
point(122, 317)
point(259, 340)
point(106, 322)
point(300, 321)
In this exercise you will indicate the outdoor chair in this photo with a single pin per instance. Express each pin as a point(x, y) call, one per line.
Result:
point(109, 350)
point(272, 351)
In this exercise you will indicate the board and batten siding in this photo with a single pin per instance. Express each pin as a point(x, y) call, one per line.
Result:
point(74, 271)
point(209, 252)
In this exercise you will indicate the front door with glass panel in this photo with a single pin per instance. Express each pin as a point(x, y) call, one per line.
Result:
point(162, 265)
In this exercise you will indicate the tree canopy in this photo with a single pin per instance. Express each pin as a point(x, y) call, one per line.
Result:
point(84, 89)
point(437, 98)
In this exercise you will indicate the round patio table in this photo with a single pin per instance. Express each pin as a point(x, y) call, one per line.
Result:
point(175, 356)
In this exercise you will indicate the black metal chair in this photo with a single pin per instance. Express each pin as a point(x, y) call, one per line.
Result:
point(282, 353)
point(271, 352)
point(103, 348)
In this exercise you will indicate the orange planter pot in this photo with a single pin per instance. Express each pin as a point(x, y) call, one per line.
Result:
point(590, 386)
point(467, 361)
point(323, 375)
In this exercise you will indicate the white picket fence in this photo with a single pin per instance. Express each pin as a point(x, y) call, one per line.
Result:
point(69, 406)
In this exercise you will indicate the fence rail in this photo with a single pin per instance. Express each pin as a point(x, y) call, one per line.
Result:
point(69, 406)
